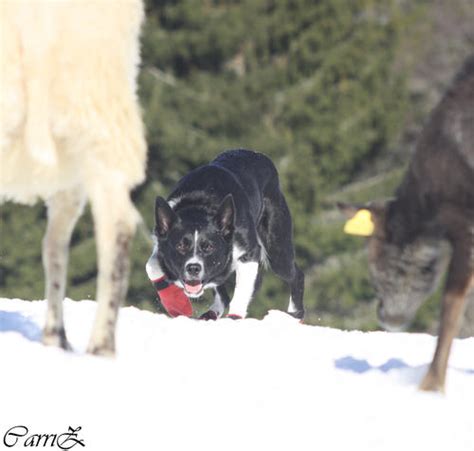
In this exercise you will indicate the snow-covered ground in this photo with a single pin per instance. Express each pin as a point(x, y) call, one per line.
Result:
point(181, 384)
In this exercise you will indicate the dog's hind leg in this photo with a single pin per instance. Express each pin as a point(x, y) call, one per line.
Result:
point(275, 233)
point(296, 306)
point(115, 220)
point(64, 208)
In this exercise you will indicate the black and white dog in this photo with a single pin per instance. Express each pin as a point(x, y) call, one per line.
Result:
point(226, 216)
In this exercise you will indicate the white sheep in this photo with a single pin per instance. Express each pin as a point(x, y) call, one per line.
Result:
point(71, 131)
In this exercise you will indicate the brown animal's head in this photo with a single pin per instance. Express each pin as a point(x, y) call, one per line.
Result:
point(404, 266)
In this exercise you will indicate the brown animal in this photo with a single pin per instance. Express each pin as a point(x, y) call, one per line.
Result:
point(429, 225)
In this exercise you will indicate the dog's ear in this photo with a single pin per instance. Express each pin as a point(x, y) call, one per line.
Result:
point(164, 216)
point(225, 215)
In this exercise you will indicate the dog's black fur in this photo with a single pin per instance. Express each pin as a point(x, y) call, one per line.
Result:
point(220, 217)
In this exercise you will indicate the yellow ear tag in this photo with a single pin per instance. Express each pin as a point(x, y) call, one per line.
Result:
point(360, 224)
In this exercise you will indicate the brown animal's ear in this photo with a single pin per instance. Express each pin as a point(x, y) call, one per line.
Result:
point(363, 219)
point(164, 216)
point(349, 210)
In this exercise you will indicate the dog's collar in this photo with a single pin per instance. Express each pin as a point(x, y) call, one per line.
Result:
point(161, 283)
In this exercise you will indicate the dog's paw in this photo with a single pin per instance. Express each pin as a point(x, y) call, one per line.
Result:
point(233, 316)
point(209, 315)
point(299, 314)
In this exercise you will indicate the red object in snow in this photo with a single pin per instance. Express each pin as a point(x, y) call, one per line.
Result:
point(173, 298)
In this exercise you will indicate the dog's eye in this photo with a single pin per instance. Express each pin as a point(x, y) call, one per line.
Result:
point(206, 247)
point(183, 246)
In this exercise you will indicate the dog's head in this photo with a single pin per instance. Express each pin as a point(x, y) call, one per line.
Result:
point(194, 244)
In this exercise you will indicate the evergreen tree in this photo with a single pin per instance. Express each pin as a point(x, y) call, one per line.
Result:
point(310, 83)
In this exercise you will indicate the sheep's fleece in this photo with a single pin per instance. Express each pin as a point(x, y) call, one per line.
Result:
point(68, 103)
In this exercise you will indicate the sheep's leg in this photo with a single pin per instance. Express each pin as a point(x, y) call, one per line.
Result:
point(64, 209)
point(115, 221)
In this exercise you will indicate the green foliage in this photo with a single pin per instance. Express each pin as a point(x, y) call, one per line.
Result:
point(20, 255)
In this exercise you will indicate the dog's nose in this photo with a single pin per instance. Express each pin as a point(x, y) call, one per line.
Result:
point(193, 269)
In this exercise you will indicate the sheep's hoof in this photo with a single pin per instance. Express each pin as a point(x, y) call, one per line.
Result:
point(56, 337)
point(106, 349)
point(432, 382)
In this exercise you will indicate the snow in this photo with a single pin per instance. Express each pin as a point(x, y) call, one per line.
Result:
point(182, 384)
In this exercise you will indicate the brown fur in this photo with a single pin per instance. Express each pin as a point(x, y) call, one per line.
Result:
point(433, 211)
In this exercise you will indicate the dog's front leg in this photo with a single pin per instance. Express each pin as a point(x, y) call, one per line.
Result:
point(221, 302)
point(172, 298)
point(153, 268)
point(246, 275)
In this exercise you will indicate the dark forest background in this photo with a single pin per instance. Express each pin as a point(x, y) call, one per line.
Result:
point(334, 91)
